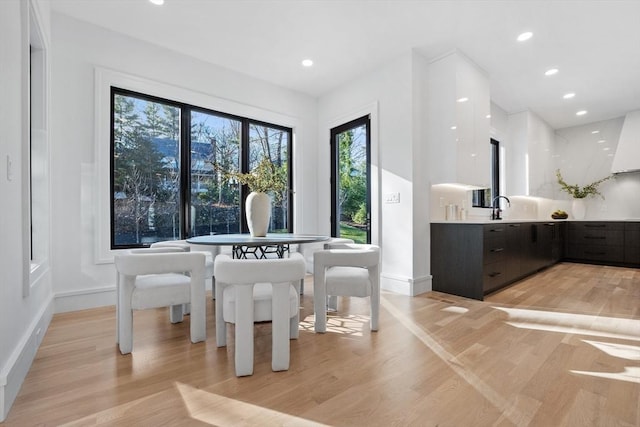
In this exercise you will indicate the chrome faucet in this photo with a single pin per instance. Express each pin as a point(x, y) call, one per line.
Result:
point(495, 207)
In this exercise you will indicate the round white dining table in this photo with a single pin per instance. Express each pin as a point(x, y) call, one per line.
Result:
point(247, 246)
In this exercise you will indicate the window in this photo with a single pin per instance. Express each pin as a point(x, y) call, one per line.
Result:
point(167, 169)
point(351, 180)
point(35, 161)
point(495, 168)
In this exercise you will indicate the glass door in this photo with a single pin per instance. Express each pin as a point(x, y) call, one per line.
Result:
point(351, 181)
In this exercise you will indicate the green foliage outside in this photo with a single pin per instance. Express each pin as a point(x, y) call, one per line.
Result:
point(146, 171)
point(353, 179)
point(356, 234)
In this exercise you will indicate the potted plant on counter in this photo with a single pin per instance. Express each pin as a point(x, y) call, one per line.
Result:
point(578, 193)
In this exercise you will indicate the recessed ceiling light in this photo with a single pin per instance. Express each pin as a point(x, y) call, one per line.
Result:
point(157, 2)
point(569, 95)
point(606, 149)
point(307, 63)
point(463, 99)
point(488, 116)
point(601, 141)
point(595, 131)
point(525, 36)
point(581, 113)
point(454, 127)
point(551, 72)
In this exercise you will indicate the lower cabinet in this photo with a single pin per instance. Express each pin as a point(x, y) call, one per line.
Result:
point(632, 243)
point(472, 260)
point(602, 242)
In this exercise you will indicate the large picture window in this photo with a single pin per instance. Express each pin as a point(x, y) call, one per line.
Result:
point(168, 169)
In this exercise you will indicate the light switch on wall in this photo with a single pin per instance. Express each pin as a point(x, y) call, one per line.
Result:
point(9, 168)
point(392, 198)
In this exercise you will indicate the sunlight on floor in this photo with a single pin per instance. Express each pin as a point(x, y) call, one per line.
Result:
point(570, 323)
point(509, 409)
point(630, 374)
point(348, 324)
point(455, 309)
point(218, 410)
point(623, 351)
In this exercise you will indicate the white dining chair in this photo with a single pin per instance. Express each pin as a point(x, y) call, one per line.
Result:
point(159, 277)
point(308, 249)
point(251, 290)
point(210, 252)
point(346, 269)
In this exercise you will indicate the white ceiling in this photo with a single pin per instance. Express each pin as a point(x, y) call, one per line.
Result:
point(595, 44)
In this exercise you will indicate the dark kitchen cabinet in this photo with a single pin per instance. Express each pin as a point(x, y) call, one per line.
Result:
point(599, 242)
point(632, 243)
point(472, 260)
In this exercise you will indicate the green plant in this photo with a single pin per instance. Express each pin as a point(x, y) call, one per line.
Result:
point(580, 193)
point(264, 178)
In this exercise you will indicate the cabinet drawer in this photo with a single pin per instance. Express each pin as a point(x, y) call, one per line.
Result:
point(491, 230)
point(596, 236)
point(494, 251)
point(595, 225)
point(632, 235)
point(493, 276)
point(596, 253)
point(632, 255)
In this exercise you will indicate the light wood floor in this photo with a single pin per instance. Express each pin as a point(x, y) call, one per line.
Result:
point(558, 349)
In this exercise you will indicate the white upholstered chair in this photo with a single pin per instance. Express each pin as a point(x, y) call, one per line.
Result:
point(210, 252)
point(248, 291)
point(159, 277)
point(308, 249)
point(346, 269)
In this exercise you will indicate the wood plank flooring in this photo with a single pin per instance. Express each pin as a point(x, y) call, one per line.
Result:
point(561, 348)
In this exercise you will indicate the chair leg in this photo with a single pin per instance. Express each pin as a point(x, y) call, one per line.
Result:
point(332, 303)
point(125, 330)
point(280, 325)
point(125, 315)
point(375, 310)
point(294, 322)
point(244, 330)
point(221, 326)
point(176, 313)
point(320, 310)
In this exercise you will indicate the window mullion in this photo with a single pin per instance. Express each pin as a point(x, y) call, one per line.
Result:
point(185, 171)
point(244, 168)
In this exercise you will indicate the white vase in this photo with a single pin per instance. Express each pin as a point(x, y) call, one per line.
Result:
point(578, 208)
point(258, 210)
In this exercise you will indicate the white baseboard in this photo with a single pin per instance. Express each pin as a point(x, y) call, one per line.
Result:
point(14, 373)
point(82, 300)
point(406, 285)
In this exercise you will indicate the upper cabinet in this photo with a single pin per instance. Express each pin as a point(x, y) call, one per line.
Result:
point(457, 120)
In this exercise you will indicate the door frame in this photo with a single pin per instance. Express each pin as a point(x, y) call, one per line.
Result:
point(324, 205)
point(334, 132)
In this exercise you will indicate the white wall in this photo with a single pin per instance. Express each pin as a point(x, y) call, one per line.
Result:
point(78, 181)
point(584, 157)
point(535, 151)
point(24, 318)
point(387, 94)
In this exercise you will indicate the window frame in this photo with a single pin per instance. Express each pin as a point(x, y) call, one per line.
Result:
point(495, 168)
point(185, 160)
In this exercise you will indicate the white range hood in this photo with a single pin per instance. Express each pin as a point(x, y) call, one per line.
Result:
point(627, 157)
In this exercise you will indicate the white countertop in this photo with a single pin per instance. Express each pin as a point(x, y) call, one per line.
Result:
point(511, 220)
